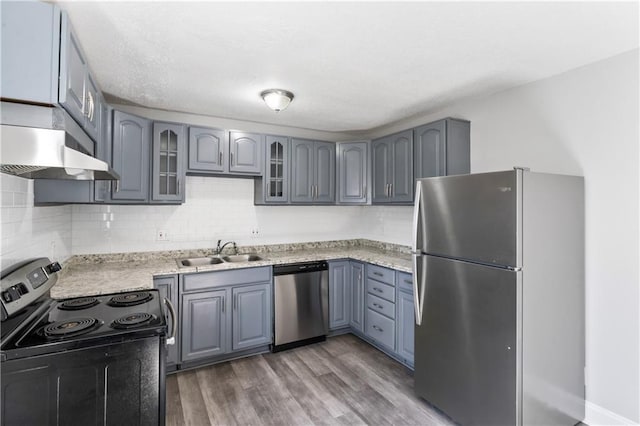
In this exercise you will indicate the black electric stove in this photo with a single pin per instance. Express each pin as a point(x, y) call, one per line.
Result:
point(91, 360)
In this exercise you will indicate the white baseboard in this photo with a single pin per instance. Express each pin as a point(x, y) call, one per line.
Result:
point(596, 415)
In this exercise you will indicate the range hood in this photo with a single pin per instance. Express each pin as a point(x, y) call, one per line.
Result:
point(42, 142)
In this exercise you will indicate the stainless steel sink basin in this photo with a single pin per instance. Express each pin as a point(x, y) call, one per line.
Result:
point(199, 261)
point(242, 258)
point(215, 260)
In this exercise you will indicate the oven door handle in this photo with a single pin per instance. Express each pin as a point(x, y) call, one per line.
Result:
point(171, 340)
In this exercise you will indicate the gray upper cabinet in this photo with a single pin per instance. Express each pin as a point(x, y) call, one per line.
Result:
point(275, 184)
point(93, 121)
point(204, 325)
point(208, 150)
point(251, 316)
point(339, 298)
point(246, 153)
point(131, 154)
point(392, 168)
point(356, 296)
point(73, 73)
point(352, 178)
point(312, 175)
point(442, 148)
point(168, 162)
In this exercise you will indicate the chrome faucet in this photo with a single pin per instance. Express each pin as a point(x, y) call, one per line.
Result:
point(219, 248)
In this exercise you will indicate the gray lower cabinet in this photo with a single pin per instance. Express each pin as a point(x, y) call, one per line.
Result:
point(131, 151)
point(442, 148)
point(246, 153)
point(168, 171)
point(392, 168)
point(204, 325)
point(208, 150)
point(313, 172)
point(339, 294)
point(405, 325)
point(356, 296)
point(251, 316)
point(224, 312)
point(168, 288)
point(353, 172)
point(380, 315)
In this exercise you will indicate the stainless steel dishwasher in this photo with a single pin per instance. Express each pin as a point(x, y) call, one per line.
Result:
point(301, 305)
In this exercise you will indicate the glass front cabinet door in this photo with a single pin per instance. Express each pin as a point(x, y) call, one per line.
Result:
point(168, 162)
point(277, 170)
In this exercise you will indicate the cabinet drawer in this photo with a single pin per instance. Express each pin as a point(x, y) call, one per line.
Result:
point(404, 281)
point(381, 290)
point(204, 280)
point(381, 274)
point(382, 306)
point(381, 328)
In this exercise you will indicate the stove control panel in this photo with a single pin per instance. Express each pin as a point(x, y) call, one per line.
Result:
point(24, 283)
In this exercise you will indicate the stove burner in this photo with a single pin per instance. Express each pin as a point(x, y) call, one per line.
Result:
point(130, 299)
point(77, 304)
point(71, 327)
point(132, 321)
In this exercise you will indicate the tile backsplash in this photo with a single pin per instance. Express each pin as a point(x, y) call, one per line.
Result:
point(29, 231)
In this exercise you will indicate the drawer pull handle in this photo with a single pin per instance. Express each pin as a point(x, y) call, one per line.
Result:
point(378, 306)
point(408, 281)
point(378, 290)
point(375, 327)
point(378, 274)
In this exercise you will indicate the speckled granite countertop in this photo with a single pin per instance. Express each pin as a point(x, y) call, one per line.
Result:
point(103, 274)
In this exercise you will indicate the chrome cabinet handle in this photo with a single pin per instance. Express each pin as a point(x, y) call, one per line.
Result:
point(378, 290)
point(378, 274)
point(177, 186)
point(235, 302)
point(375, 327)
point(231, 154)
point(408, 282)
point(220, 158)
point(118, 185)
point(378, 306)
point(390, 190)
point(224, 304)
point(171, 340)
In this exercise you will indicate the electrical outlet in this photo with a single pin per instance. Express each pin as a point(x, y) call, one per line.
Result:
point(161, 235)
point(254, 233)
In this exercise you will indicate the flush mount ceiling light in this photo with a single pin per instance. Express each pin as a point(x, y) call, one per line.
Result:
point(277, 99)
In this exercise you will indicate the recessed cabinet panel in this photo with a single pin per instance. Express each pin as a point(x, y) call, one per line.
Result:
point(92, 108)
point(325, 172)
point(380, 159)
point(356, 296)
point(352, 172)
point(208, 150)
point(204, 324)
point(72, 83)
point(339, 294)
point(302, 170)
point(405, 324)
point(131, 154)
point(430, 150)
point(402, 169)
point(246, 153)
point(251, 316)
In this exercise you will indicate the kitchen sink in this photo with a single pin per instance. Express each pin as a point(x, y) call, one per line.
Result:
point(199, 261)
point(242, 258)
point(215, 260)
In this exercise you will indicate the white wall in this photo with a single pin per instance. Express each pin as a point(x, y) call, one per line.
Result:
point(28, 231)
point(582, 122)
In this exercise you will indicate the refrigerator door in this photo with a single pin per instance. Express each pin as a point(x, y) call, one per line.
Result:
point(465, 348)
point(471, 217)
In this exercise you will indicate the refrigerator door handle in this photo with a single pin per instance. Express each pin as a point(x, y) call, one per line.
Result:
point(417, 225)
point(418, 296)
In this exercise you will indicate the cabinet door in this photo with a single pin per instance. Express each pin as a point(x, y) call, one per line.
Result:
point(380, 170)
point(168, 288)
point(276, 173)
point(356, 296)
point(131, 145)
point(92, 108)
point(168, 162)
point(325, 172)
point(246, 155)
point(204, 324)
point(402, 167)
point(208, 150)
point(430, 150)
point(251, 316)
point(405, 323)
point(302, 171)
point(339, 300)
point(352, 172)
point(73, 72)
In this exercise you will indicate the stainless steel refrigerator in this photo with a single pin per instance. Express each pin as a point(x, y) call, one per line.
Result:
point(498, 264)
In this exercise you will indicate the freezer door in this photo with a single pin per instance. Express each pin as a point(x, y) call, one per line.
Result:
point(465, 347)
point(470, 217)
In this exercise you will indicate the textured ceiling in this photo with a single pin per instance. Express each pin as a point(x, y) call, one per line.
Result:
point(352, 66)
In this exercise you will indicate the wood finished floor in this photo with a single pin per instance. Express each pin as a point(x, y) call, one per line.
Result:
point(343, 381)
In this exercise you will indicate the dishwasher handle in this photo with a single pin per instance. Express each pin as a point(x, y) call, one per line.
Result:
point(300, 268)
